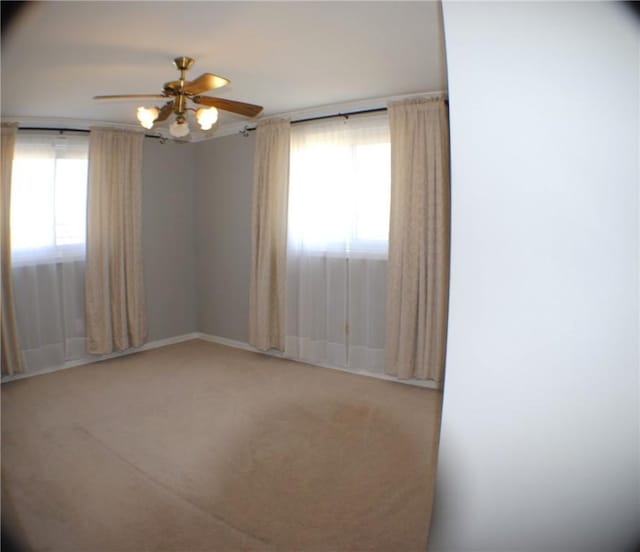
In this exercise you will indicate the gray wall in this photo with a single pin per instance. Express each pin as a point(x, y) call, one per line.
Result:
point(539, 445)
point(223, 187)
point(168, 176)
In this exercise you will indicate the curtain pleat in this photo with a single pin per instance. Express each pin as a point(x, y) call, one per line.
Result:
point(114, 288)
point(269, 235)
point(419, 240)
point(11, 360)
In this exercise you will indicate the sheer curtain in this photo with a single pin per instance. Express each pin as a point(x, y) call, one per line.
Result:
point(337, 242)
point(48, 247)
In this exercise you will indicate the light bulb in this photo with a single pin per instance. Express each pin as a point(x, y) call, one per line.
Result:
point(179, 128)
point(147, 116)
point(207, 117)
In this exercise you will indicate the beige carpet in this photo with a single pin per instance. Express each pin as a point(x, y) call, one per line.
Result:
point(197, 446)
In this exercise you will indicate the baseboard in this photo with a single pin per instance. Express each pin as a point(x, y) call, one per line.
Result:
point(226, 341)
point(213, 339)
point(97, 358)
point(246, 347)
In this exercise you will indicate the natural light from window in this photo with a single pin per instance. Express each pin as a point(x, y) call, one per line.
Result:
point(339, 188)
point(48, 198)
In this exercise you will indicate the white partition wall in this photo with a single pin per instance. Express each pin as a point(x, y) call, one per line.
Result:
point(540, 435)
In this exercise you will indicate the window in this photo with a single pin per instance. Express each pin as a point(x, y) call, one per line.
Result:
point(48, 198)
point(339, 198)
point(339, 186)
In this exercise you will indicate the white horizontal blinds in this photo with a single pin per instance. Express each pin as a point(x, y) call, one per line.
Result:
point(339, 186)
point(48, 203)
point(337, 242)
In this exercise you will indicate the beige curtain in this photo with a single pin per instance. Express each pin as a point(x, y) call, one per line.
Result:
point(419, 234)
point(114, 289)
point(11, 360)
point(269, 228)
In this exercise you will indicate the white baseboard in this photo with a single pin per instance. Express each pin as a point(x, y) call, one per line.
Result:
point(247, 347)
point(226, 341)
point(213, 339)
point(97, 358)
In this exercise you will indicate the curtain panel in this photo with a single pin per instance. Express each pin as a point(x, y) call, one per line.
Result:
point(419, 240)
point(114, 288)
point(48, 208)
point(337, 243)
point(11, 361)
point(269, 235)
point(49, 300)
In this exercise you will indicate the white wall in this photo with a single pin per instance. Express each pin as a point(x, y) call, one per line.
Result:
point(540, 436)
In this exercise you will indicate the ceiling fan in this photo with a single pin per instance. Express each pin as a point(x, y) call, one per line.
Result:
point(180, 92)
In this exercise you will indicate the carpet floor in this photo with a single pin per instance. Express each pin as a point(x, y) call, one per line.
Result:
point(197, 447)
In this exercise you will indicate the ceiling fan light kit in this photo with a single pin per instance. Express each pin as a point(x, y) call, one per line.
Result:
point(180, 92)
point(207, 117)
point(179, 128)
point(146, 116)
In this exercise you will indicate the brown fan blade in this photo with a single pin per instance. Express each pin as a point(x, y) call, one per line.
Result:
point(206, 81)
point(128, 96)
point(248, 110)
point(166, 110)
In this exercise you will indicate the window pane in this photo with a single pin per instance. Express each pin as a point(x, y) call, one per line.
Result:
point(48, 199)
point(339, 187)
point(71, 201)
point(32, 194)
point(373, 192)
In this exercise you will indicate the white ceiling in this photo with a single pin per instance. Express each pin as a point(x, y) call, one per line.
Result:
point(285, 56)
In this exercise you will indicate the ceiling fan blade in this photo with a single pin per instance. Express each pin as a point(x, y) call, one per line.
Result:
point(206, 81)
point(248, 110)
point(164, 113)
point(128, 96)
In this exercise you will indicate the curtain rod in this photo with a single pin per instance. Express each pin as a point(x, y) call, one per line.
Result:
point(247, 129)
point(345, 115)
point(83, 130)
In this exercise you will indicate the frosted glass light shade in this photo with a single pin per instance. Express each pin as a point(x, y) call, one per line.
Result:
point(179, 129)
point(146, 116)
point(207, 117)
